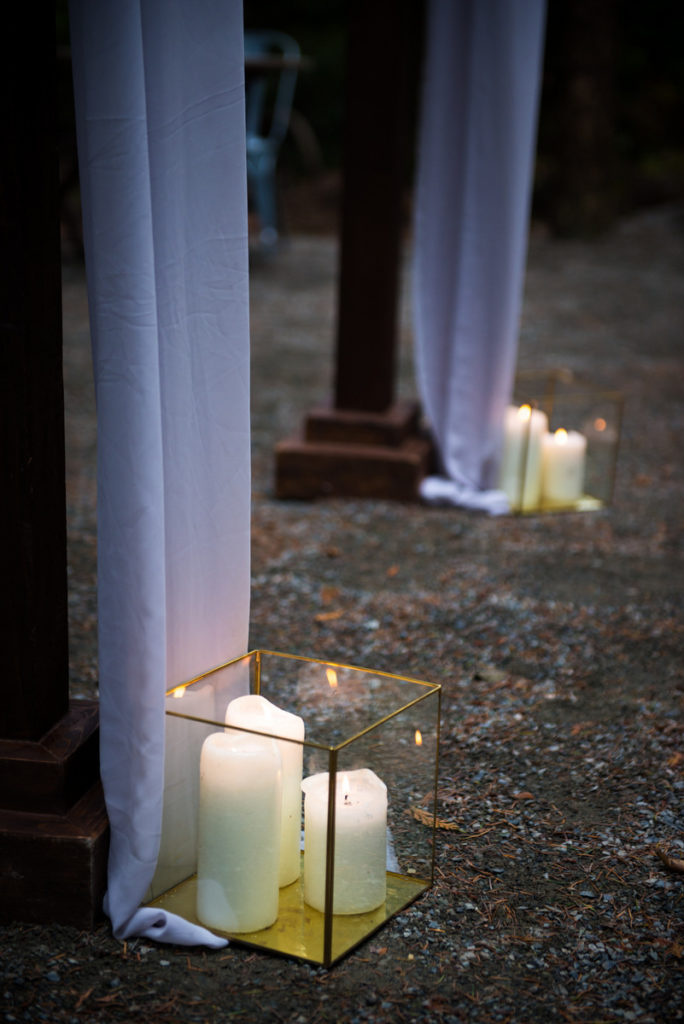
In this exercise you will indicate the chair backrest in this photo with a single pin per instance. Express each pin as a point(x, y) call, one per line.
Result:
point(270, 89)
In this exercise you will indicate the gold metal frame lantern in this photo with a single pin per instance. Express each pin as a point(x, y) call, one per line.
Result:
point(561, 444)
point(377, 729)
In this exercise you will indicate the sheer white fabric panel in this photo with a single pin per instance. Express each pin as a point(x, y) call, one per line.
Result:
point(160, 115)
point(476, 157)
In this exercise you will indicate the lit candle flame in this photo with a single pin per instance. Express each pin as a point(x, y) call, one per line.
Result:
point(419, 738)
point(524, 412)
point(561, 436)
point(346, 788)
point(332, 676)
point(180, 692)
point(600, 423)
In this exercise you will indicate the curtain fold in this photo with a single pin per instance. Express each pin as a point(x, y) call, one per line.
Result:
point(475, 162)
point(159, 89)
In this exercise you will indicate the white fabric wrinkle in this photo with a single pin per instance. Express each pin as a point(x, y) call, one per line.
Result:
point(208, 107)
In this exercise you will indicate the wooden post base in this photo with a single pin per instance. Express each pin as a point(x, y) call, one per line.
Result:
point(54, 831)
point(353, 454)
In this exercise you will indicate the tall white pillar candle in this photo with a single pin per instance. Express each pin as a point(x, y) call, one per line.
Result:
point(255, 712)
point(359, 876)
point(521, 460)
point(564, 455)
point(239, 832)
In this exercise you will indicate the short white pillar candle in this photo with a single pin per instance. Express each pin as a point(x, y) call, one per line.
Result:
point(564, 455)
point(359, 876)
point(239, 832)
point(521, 460)
point(255, 712)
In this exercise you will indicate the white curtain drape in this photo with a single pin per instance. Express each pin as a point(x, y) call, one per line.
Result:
point(159, 88)
point(475, 162)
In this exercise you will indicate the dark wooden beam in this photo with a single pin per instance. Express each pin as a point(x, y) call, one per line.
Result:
point(53, 825)
point(34, 602)
point(48, 776)
point(53, 867)
point(324, 470)
point(373, 188)
point(367, 444)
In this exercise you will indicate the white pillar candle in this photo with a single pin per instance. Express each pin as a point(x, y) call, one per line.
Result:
point(239, 832)
point(564, 455)
point(255, 712)
point(521, 460)
point(359, 877)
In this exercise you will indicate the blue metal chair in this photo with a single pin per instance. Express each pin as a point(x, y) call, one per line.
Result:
point(271, 64)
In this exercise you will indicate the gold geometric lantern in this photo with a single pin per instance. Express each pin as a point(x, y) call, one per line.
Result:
point(291, 820)
point(560, 445)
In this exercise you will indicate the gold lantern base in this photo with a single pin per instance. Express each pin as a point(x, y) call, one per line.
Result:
point(585, 503)
point(299, 930)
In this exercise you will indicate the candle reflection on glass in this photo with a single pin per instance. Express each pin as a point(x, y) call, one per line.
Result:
point(177, 858)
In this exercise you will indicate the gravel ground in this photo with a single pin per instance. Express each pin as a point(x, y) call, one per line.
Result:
point(558, 641)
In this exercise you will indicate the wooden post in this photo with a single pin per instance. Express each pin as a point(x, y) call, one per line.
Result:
point(371, 228)
point(367, 444)
point(53, 826)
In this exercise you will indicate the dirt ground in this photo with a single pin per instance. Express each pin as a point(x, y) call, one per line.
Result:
point(558, 642)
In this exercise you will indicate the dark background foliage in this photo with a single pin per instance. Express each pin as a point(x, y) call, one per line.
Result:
point(611, 125)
